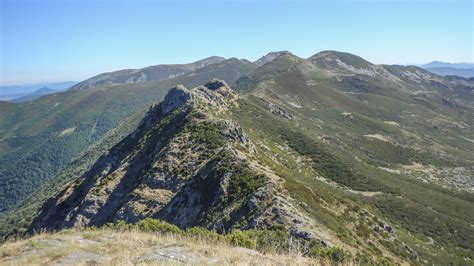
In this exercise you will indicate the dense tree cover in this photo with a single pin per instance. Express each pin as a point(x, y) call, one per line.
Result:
point(42, 137)
point(15, 221)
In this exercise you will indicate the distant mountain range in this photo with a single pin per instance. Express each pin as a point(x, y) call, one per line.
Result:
point(27, 92)
point(12, 92)
point(450, 69)
point(466, 65)
point(157, 72)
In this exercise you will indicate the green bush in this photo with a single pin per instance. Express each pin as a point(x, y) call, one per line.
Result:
point(147, 225)
point(334, 254)
point(270, 240)
point(242, 239)
point(363, 231)
point(244, 183)
point(276, 240)
point(155, 225)
point(362, 259)
point(119, 226)
point(208, 133)
point(203, 233)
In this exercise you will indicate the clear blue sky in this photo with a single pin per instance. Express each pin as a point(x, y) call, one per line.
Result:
point(56, 40)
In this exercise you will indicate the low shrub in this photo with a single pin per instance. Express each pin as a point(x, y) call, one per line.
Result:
point(334, 254)
point(119, 226)
point(156, 225)
point(242, 239)
point(203, 233)
point(276, 240)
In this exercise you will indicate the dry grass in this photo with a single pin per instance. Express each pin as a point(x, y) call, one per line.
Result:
point(108, 247)
point(377, 136)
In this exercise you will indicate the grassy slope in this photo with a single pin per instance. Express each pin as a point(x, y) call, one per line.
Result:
point(335, 148)
point(112, 247)
point(409, 204)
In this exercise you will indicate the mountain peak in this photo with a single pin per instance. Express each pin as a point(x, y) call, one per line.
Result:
point(43, 90)
point(176, 97)
point(208, 60)
point(216, 92)
point(341, 62)
point(270, 57)
point(156, 72)
point(439, 64)
point(347, 58)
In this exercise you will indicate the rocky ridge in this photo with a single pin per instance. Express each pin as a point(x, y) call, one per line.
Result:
point(269, 57)
point(157, 72)
point(186, 164)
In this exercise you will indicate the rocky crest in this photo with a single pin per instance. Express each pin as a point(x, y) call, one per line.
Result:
point(270, 57)
point(177, 96)
point(214, 93)
point(184, 165)
point(157, 72)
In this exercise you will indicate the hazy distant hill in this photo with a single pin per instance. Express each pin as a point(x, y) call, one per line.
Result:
point(34, 95)
point(450, 69)
point(450, 65)
point(17, 91)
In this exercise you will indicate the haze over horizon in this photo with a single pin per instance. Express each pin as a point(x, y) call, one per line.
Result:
point(49, 41)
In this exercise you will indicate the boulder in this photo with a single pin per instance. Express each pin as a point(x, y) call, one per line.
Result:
point(177, 96)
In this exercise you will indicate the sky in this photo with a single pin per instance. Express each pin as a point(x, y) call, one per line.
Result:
point(58, 40)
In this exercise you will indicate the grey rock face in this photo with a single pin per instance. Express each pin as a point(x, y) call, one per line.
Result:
point(279, 111)
point(177, 96)
point(214, 93)
point(389, 229)
point(235, 132)
point(215, 84)
point(276, 109)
